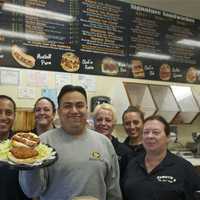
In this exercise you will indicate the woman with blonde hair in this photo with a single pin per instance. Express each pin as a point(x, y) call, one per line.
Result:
point(104, 122)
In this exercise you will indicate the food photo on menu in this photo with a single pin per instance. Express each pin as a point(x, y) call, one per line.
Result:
point(137, 68)
point(70, 62)
point(109, 66)
point(191, 74)
point(25, 151)
point(165, 72)
point(21, 57)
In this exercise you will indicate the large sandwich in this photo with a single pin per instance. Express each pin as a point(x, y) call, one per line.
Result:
point(23, 149)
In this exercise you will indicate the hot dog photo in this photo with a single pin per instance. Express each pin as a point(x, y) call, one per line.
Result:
point(21, 57)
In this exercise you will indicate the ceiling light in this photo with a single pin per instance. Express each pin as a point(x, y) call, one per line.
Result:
point(5, 48)
point(153, 56)
point(37, 12)
point(188, 42)
point(22, 35)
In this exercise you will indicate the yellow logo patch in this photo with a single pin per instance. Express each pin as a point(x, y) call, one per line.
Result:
point(95, 155)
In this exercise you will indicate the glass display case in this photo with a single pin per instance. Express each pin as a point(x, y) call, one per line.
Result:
point(139, 95)
point(189, 108)
point(177, 104)
point(165, 101)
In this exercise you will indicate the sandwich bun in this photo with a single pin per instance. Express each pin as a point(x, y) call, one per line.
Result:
point(12, 158)
point(23, 155)
point(18, 144)
point(21, 139)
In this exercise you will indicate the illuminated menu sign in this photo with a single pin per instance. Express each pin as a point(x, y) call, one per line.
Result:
point(59, 34)
point(103, 27)
point(103, 39)
point(155, 31)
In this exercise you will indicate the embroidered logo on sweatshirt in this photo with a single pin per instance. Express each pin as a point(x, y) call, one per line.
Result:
point(94, 155)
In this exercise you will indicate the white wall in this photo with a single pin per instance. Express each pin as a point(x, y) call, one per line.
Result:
point(105, 85)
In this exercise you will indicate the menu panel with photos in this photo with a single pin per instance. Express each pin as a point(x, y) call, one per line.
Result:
point(59, 37)
point(103, 39)
point(155, 31)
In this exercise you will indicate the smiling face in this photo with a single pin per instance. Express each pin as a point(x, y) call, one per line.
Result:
point(133, 125)
point(7, 117)
point(44, 114)
point(72, 112)
point(104, 122)
point(155, 139)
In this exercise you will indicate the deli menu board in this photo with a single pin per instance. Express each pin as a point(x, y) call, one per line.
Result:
point(103, 39)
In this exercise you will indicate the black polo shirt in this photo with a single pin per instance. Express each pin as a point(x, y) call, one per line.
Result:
point(136, 149)
point(120, 149)
point(173, 179)
point(9, 184)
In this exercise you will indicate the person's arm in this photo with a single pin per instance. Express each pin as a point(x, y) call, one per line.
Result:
point(112, 180)
point(33, 182)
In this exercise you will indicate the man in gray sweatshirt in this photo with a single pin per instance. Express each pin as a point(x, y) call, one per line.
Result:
point(87, 163)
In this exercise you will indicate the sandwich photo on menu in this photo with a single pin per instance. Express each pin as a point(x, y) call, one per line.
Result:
point(137, 69)
point(165, 72)
point(109, 66)
point(191, 74)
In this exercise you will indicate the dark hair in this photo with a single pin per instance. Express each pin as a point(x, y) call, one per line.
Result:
point(71, 88)
point(48, 99)
point(162, 120)
point(133, 109)
point(10, 99)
